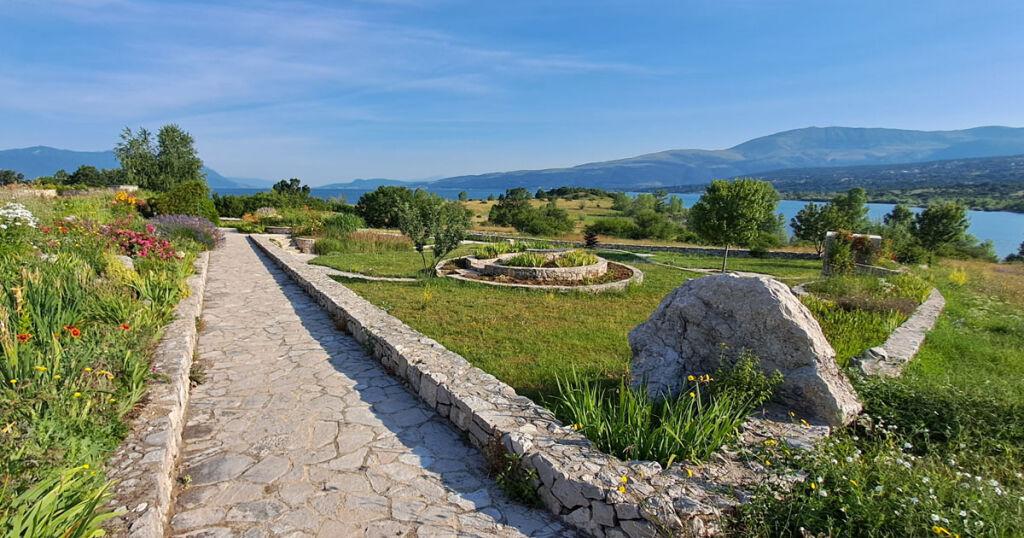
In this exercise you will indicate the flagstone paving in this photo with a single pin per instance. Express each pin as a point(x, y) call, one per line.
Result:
point(295, 431)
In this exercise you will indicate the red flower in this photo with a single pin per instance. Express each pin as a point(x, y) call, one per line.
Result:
point(124, 327)
point(24, 337)
point(75, 332)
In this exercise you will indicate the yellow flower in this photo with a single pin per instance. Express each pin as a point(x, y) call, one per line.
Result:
point(854, 482)
point(7, 428)
point(814, 485)
point(691, 378)
point(577, 426)
point(76, 395)
point(111, 399)
point(805, 423)
point(693, 394)
point(56, 377)
point(770, 442)
point(87, 369)
point(621, 489)
point(39, 368)
point(624, 479)
point(689, 473)
point(941, 531)
point(792, 414)
point(85, 466)
point(14, 381)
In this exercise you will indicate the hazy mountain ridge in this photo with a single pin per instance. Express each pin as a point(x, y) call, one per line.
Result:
point(39, 161)
point(799, 148)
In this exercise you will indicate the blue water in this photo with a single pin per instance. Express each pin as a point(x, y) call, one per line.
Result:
point(1004, 229)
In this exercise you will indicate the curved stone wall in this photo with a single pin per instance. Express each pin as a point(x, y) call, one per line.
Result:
point(543, 274)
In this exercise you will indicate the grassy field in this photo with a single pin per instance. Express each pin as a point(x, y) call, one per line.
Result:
point(789, 271)
point(392, 264)
point(527, 337)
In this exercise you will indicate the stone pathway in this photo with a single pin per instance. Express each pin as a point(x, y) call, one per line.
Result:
point(296, 431)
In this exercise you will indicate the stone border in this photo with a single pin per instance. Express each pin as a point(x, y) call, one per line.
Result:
point(497, 267)
point(574, 479)
point(706, 251)
point(144, 465)
point(889, 359)
point(637, 277)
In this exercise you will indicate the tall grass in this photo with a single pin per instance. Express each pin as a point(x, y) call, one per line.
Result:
point(851, 331)
point(526, 259)
point(625, 422)
point(576, 258)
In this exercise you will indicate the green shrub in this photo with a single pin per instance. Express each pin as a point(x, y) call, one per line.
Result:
point(840, 258)
point(576, 258)
point(526, 259)
point(614, 227)
point(185, 198)
point(852, 331)
point(692, 426)
point(493, 250)
point(69, 504)
point(327, 245)
point(342, 224)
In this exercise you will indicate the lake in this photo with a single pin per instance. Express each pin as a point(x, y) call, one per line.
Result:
point(1004, 229)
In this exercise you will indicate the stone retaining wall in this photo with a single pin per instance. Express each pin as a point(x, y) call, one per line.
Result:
point(700, 251)
point(597, 493)
point(889, 359)
point(144, 466)
point(543, 274)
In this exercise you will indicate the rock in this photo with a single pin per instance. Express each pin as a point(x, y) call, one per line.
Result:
point(712, 319)
point(126, 261)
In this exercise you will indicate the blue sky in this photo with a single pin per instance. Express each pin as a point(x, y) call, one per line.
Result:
point(425, 88)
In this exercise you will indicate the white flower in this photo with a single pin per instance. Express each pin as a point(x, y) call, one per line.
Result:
point(935, 518)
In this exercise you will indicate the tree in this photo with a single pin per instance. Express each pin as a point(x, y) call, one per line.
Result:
point(10, 177)
point(734, 212)
point(176, 158)
point(291, 187)
point(137, 155)
point(380, 208)
point(512, 207)
point(427, 216)
point(900, 216)
point(848, 211)
point(621, 201)
point(811, 224)
point(463, 196)
point(938, 225)
point(1019, 256)
point(88, 175)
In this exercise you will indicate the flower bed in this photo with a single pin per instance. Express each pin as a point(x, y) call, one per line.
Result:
point(83, 302)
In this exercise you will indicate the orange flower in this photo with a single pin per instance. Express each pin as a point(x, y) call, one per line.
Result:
point(124, 327)
point(24, 338)
point(75, 332)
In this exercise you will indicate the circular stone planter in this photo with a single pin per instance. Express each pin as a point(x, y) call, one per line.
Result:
point(496, 268)
point(283, 230)
point(304, 244)
point(468, 268)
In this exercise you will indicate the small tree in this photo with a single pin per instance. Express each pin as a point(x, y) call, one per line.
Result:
point(900, 216)
point(849, 211)
point(380, 208)
point(426, 216)
point(938, 225)
point(291, 187)
point(590, 237)
point(1019, 256)
point(11, 177)
point(463, 196)
point(734, 212)
point(811, 224)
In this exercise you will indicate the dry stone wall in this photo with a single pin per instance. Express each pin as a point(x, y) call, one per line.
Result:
point(597, 493)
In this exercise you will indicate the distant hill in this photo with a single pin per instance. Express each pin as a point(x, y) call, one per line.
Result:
point(45, 161)
point(799, 148)
point(945, 173)
point(372, 183)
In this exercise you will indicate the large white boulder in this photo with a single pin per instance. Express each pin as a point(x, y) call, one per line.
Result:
point(713, 319)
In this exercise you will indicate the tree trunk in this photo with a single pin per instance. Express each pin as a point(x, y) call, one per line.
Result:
point(725, 258)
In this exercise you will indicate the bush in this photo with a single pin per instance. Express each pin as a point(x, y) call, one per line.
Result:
point(692, 426)
point(493, 250)
point(327, 245)
point(196, 229)
point(614, 227)
point(342, 224)
point(526, 259)
point(576, 258)
point(381, 208)
point(185, 198)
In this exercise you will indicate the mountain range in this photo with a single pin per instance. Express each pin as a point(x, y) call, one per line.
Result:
point(45, 161)
point(806, 148)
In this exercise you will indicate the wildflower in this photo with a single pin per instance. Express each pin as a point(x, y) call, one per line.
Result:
point(111, 399)
point(814, 485)
point(935, 517)
point(87, 369)
point(8, 428)
point(56, 377)
point(770, 442)
point(691, 378)
point(853, 482)
point(621, 489)
point(124, 327)
point(941, 531)
point(39, 368)
point(624, 479)
point(693, 394)
point(24, 338)
point(85, 466)
point(76, 395)
point(689, 473)
point(577, 426)
point(75, 332)
point(14, 381)
point(804, 423)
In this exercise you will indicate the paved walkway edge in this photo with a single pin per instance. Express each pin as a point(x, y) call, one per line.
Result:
point(889, 359)
point(144, 465)
point(597, 493)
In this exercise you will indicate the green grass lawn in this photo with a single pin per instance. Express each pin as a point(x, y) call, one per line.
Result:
point(789, 271)
point(392, 263)
point(527, 337)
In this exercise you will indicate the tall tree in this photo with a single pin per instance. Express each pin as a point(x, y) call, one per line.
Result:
point(849, 211)
point(734, 212)
point(138, 157)
point(901, 215)
point(939, 224)
point(811, 224)
point(177, 160)
point(380, 208)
